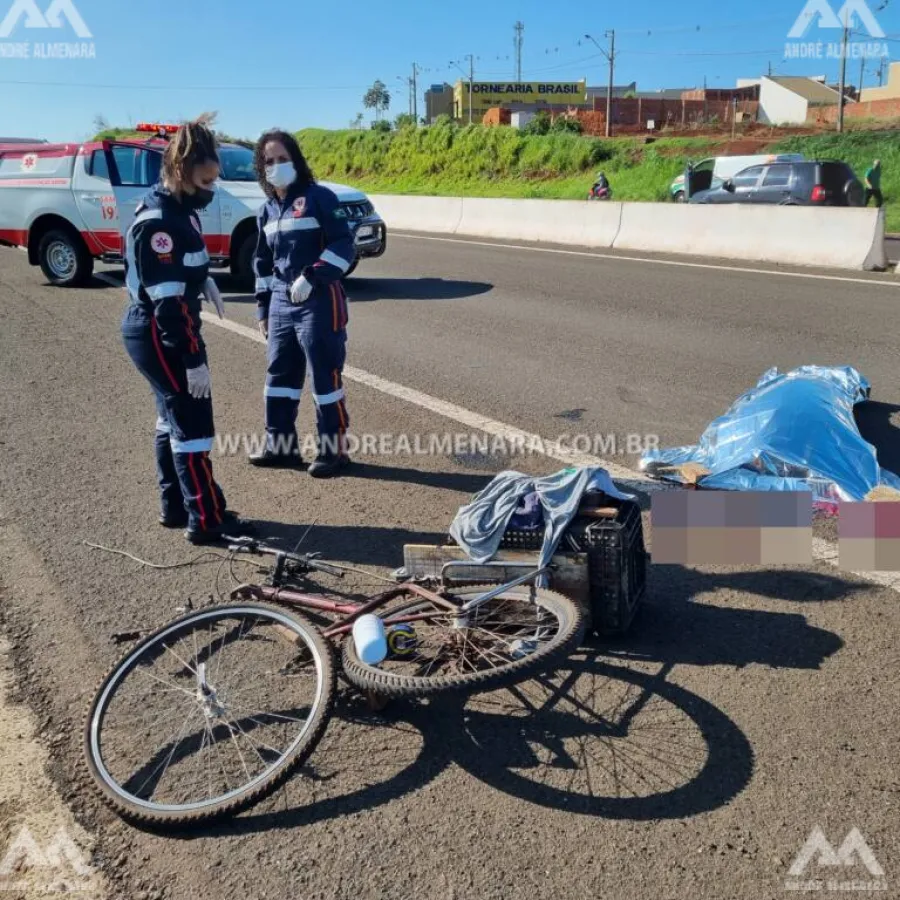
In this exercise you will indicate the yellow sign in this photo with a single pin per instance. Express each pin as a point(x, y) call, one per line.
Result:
point(488, 94)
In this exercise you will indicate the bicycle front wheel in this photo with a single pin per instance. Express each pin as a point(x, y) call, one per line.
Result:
point(210, 714)
point(434, 650)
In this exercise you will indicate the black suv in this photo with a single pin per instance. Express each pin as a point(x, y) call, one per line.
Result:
point(822, 182)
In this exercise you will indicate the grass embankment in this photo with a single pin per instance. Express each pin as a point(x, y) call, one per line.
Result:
point(448, 160)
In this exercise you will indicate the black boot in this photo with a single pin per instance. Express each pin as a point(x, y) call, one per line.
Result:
point(269, 460)
point(232, 527)
point(328, 466)
point(175, 519)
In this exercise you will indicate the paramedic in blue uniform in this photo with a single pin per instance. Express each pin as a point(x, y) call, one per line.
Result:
point(305, 246)
point(167, 276)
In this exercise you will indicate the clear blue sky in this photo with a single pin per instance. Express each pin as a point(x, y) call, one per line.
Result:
point(296, 64)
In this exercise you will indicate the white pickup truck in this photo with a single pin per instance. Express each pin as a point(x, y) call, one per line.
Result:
point(70, 204)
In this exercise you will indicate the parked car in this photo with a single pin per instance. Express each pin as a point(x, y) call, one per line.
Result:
point(822, 182)
point(712, 172)
point(69, 204)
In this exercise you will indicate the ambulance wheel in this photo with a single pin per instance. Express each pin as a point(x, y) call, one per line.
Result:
point(64, 259)
point(242, 263)
point(680, 198)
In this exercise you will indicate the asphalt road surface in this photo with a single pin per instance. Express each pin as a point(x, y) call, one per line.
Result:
point(692, 759)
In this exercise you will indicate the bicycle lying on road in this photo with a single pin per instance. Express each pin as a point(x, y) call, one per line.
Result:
point(213, 712)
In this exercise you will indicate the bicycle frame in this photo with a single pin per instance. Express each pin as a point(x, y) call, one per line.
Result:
point(350, 612)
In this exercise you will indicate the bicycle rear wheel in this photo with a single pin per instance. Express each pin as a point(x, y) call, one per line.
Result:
point(210, 714)
point(434, 650)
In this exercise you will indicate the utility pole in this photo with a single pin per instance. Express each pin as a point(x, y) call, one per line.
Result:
point(517, 43)
point(862, 75)
point(612, 74)
point(415, 95)
point(471, 59)
point(843, 84)
point(611, 56)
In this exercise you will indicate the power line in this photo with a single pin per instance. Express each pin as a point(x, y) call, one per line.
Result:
point(201, 87)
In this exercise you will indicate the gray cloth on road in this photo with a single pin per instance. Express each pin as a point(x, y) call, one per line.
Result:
point(479, 526)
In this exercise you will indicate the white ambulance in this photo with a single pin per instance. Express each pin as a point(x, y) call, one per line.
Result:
point(69, 204)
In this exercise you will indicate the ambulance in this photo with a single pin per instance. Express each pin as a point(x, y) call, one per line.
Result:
point(69, 205)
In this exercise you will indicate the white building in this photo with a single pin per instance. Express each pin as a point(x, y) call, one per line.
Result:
point(787, 100)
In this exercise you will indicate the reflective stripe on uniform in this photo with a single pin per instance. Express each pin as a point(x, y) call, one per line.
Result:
point(146, 216)
point(201, 258)
point(200, 445)
point(334, 260)
point(285, 393)
point(326, 399)
point(162, 425)
point(292, 225)
point(166, 289)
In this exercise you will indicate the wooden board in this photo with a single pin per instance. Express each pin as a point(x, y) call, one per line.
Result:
point(569, 578)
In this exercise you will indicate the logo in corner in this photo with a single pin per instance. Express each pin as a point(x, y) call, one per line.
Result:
point(57, 12)
point(853, 853)
point(822, 13)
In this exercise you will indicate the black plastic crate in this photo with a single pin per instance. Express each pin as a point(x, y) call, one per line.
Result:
point(617, 565)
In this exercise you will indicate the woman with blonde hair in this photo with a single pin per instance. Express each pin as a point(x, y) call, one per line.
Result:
point(167, 276)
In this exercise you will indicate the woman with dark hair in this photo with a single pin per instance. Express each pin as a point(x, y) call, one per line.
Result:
point(167, 276)
point(305, 246)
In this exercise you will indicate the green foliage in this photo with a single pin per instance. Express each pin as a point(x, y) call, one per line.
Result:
point(381, 125)
point(539, 125)
point(405, 120)
point(566, 125)
point(378, 98)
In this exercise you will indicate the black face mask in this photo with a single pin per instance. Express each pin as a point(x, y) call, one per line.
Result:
point(200, 199)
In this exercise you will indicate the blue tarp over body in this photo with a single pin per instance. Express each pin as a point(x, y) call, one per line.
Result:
point(793, 432)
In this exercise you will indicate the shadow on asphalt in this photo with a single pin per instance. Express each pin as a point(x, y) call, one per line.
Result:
point(875, 425)
point(368, 289)
point(463, 482)
point(607, 741)
point(355, 544)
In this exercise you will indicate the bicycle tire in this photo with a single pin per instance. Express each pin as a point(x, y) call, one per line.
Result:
point(143, 815)
point(571, 631)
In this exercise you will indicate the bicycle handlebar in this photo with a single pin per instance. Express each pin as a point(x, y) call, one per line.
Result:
point(307, 560)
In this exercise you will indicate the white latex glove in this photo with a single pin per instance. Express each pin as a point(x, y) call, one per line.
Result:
point(300, 291)
point(199, 382)
point(211, 293)
point(263, 325)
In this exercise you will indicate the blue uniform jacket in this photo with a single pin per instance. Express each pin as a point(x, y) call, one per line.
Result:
point(305, 234)
point(166, 267)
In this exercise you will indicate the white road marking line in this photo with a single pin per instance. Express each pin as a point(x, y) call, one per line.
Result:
point(823, 551)
point(658, 262)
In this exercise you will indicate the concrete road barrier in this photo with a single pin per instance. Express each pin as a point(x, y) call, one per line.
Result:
point(436, 215)
point(575, 222)
point(803, 236)
point(797, 235)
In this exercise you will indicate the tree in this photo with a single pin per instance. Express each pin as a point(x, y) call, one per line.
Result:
point(540, 124)
point(381, 125)
point(101, 124)
point(378, 98)
point(357, 122)
point(404, 120)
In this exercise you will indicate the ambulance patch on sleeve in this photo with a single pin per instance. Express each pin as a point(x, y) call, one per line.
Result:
point(162, 243)
point(299, 207)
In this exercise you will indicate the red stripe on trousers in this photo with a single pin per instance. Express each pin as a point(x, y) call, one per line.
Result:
point(190, 462)
point(204, 458)
point(154, 331)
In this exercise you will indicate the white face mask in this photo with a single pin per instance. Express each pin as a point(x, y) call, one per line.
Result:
point(281, 175)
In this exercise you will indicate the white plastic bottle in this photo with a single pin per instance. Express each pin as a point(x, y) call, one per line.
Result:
point(370, 640)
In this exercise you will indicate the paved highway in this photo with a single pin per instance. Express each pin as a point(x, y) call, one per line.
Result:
point(691, 759)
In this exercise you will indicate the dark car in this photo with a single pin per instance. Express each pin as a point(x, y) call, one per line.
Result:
point(822, 182)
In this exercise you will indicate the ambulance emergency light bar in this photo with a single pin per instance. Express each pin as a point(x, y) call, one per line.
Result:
point(161, 130)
